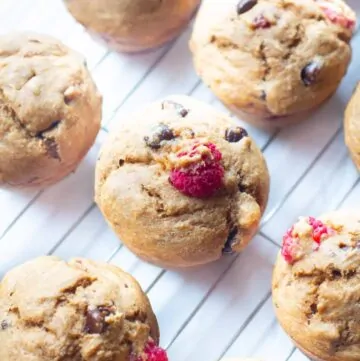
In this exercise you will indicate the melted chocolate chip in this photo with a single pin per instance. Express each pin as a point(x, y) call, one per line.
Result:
point(178, 107)
point(161, 133)
point(245, 5)
point(235, 134)
point(310, 72)
point(52, 148)
point(95, 320)
point(230, 241)
point(4, 325)
point(121, 162)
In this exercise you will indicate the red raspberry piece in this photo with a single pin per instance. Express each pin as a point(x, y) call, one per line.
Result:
point(155, 353)
point(152, 353)
point(200, 180)
point(260, 22)
point(289, 243)
point(319, 229)
point(339, 19)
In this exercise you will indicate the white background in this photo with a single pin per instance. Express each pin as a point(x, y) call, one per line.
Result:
point(220, 309)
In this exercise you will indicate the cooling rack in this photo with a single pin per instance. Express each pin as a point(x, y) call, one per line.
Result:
point(204, 313)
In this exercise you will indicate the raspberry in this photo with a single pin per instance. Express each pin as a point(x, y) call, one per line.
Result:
point(155, 353)
point(260, 22)
point(339, 19)
point(291, 249)
point(202, 179)
point(152, 352)
point(288, 246)
point(319, 229)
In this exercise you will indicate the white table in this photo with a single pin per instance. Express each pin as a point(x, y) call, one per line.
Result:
point(220, 309)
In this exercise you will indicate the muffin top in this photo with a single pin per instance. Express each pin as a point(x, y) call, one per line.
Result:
point(48, 99)
point(51, 310)
point(273, 57)
point(187, 174)
point(316, 285)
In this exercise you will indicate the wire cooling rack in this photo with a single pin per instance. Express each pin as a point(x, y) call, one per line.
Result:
point(204, 313)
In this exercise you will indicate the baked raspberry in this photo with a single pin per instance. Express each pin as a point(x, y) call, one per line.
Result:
point(199, 179)
point(152, 352)
point(155, 353)
point(339, 19)
point(288, 246)
point(260, 22)
point(319, 229)
point(337, 13)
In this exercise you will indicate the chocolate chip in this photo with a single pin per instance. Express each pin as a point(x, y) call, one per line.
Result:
point(263, 95)
point(52, 148)
point(121, 162)
point(95, 319)
point(235, 134)
point(313, 308)
point(310, 73)
point(161, 133)
point(178, 107)
point(245, 5)
point(230, 240)
point(4, 325)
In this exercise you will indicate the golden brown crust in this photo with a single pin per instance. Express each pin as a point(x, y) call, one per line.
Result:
point(316, 296)
point(260, 70)
point(154, 219)
point(133, 25)
point(50, 110)
point(48, 310)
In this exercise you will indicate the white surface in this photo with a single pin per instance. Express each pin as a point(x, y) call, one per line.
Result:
point(220, 309)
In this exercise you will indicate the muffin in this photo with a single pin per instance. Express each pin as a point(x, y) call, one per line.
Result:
point(316, 286)
point(133, 25)
point(50, 110)
point(181, 184)
point(268, 60)
point(51, 310)
point(351, 124)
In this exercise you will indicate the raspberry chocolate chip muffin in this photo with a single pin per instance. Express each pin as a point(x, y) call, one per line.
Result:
point(352, 125)
point(50, 110)
point(181, 184)
point(316, 286)
point(268, 59)
point(51, 310)
point(133, 25)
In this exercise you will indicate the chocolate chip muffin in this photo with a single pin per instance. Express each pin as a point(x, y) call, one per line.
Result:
point(133, 25)
point(352, 125)
point(51, 310)
point(316, 286)
point(268, 59)
point(50, 110)
point(181, 184)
